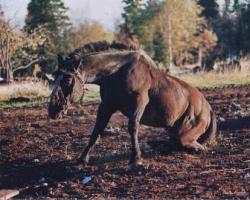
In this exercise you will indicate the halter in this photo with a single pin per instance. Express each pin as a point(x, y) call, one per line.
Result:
point(76, 74)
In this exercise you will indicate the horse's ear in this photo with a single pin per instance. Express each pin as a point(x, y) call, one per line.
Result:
point(77, 57)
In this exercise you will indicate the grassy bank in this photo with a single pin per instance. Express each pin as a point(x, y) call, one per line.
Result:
point(28, 90)
point(33, 94)
point(211, 79)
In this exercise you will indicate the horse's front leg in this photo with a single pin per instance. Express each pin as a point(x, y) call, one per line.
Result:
point(133, 128)
point(103, 116)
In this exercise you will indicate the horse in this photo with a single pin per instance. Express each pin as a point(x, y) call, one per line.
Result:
point(131, 83)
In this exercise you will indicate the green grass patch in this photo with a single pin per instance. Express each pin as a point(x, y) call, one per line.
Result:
point(18, 104)
point(91, 95)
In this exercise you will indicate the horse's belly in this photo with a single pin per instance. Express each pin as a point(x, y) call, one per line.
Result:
point(153, 117)
point(159, 113)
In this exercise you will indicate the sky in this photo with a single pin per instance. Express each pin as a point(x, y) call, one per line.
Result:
point(107, 12)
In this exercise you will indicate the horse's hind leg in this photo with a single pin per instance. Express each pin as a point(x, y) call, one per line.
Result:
point(188, 138)
point(103, 117)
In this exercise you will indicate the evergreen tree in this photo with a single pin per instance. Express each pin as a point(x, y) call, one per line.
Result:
point(237, 7)
point(159, 48)
point(245, 27)
point(229, 29)
point(131, 16)
point(237, 11)
point(150, 11)
point(52, 15)
point(227, 10)
point(210, 8)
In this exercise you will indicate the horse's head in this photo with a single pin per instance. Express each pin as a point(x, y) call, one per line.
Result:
point(68, 86)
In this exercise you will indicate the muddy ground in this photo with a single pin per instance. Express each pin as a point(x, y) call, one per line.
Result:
point(36, 155)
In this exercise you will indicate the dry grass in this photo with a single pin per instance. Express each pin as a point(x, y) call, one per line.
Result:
point(206, 80)
point(23, 89)
point(211, 79)
point(38, 90)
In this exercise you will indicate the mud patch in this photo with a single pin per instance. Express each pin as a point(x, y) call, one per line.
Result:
point(37, 154)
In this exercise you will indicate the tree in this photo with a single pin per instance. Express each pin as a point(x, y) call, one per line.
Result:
point(138, 27)
point(88, 32)
point(226, 9)
point(52, 15)
point(208, 42)
point(159, 48)
point(180, 28)
point(237, 7)
point(15, 47)
point(149, 32)
point(171, 31)
point(131, 16)
point(245, 27)
point(229, 29)
point(210, 9)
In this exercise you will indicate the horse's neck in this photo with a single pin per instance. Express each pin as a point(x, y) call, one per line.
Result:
point(104, 64)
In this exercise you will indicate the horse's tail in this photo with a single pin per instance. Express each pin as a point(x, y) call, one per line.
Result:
point(209, 137)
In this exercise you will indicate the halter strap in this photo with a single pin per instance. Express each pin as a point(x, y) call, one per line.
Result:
point(76, 75)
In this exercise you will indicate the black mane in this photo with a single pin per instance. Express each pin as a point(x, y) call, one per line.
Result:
point(100, 46)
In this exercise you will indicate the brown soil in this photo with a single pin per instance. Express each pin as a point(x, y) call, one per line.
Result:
point(36, 155)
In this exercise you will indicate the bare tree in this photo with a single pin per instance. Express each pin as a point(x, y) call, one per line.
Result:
point(17, 46)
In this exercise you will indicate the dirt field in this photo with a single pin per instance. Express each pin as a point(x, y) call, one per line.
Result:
point(36, 155)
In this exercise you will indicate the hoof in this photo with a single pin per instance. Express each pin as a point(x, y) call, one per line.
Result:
point(82, 160)
point(197, 150)
point(195, 147)
point(201, 149)
point(138, 165)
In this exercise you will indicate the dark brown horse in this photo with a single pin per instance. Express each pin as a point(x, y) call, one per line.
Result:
point(131, 83)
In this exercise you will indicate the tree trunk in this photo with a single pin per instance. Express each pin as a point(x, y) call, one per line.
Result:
point(200, 57)
point(8, 74)
point(170, 43)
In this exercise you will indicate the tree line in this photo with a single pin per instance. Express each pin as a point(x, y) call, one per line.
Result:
point(176, 32)
point(173, 32)
point(47, 32)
